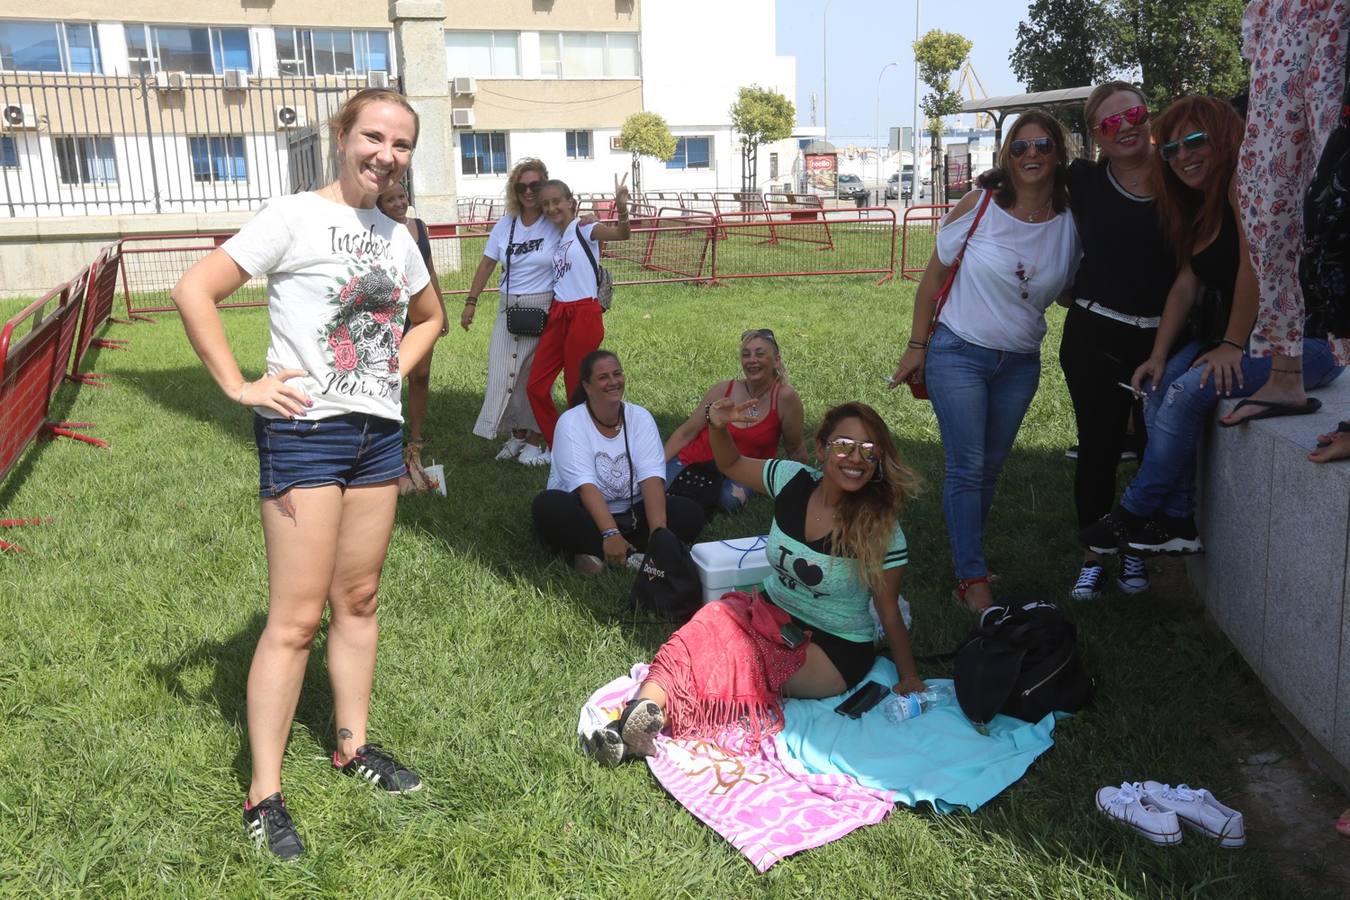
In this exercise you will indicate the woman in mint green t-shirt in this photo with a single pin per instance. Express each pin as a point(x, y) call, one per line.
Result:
point(836, 548)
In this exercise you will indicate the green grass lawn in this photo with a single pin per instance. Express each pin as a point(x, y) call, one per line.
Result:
point(130, 623)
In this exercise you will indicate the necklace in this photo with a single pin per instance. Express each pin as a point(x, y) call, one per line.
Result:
point(618, 423)
point(1033, 216)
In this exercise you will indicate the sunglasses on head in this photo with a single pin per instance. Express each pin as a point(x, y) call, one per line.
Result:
point(1135, 115)
point(842, 448)
point(531, 186)
point(1193, 141)
point(1044, 146)
point(766, 333)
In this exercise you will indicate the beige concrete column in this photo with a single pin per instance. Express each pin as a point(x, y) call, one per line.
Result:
point(419, 41)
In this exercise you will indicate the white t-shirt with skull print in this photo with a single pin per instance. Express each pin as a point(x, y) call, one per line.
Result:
point(582, 455)
point(338, 284)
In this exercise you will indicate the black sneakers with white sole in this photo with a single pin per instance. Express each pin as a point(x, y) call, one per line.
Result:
point(269, 825)
point(1164, 536)
point(378, 766)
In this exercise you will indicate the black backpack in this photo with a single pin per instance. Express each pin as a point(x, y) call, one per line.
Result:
point(1022, 660)
point(1325, 264)
point(667, 585)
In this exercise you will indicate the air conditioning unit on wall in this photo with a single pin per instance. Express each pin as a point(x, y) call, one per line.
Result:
point(170, 81)
point(377, 79)
point(291, 117)
point(461, 118)
point(18, 117)
point(236, 80)
point(616, 144)
point(465, 87)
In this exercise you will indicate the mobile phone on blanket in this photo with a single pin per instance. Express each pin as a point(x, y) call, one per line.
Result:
point(792, 635)
point(861, 700)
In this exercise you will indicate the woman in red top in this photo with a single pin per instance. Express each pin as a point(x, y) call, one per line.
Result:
point(764, 379)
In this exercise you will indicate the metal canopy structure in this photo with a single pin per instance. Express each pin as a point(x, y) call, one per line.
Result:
point(1002, 107)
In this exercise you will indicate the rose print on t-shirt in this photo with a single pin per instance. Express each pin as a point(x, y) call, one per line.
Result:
point(365, 330)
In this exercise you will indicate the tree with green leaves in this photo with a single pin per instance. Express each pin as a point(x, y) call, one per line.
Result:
point(1063, 44)
point(759, 116)
point(1180, 47)
point(646, 134)
point(939, 54)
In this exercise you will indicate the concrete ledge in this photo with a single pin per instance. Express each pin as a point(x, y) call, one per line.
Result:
point(1277, 555)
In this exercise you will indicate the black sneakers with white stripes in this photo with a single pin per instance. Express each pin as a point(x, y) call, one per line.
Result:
point(380, 768)
point(269, 825)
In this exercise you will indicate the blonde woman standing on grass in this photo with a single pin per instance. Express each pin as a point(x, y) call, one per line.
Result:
point(341, 275)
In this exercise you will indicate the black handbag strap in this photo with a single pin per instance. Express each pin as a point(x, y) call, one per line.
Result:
point(506, 266)
point(595, 266)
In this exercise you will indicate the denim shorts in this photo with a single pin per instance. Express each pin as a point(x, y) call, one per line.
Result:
point(350, 450)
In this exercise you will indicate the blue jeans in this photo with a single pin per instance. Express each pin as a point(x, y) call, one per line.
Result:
point(734, 495)
point(1176, 412)
point(980, 397)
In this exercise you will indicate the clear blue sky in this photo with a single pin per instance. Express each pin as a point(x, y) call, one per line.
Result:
point(865, 35)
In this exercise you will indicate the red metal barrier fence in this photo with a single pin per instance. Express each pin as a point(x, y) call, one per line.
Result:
point(97, 311)
point(152, 265)
point(918, 238)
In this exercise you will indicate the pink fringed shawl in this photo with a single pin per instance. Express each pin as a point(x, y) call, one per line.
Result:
point(727, 667)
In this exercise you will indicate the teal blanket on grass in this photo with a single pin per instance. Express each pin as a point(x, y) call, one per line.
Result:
point(938, 757)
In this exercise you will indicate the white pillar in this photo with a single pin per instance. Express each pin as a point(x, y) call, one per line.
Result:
point(419, 44)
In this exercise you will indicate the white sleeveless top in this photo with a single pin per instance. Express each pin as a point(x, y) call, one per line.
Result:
point(1005, 259)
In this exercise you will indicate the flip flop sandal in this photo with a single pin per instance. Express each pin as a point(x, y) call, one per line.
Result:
point(1271, 409)
point(1326, 440)
point(641, 722)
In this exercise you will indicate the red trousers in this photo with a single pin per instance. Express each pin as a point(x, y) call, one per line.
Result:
point(573, 330)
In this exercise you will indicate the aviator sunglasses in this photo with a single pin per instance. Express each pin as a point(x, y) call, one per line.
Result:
point(1192, 142)
point(1135, 115)
point(531, 186)
point(1044, 146)
point(843, 448)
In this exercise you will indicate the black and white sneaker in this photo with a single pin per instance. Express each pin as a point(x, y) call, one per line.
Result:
point(1106, 535)
point(269, 825)
point(1165, 535)
point(1089, 584)
point(1133, 576)
point(376, 765)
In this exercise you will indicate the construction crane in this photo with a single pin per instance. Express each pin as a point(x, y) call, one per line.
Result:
point(970, 85)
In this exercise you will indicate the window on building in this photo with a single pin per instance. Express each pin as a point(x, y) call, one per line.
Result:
point(483, 153)
point(194, 50)
point(49, 47)
point(483, 54)
point(773, 165)
point(579, 145)
point(218, 158)
point(9, 153)
point(691, 153)
point(318, 51)
point(594, 54)
point(85, 160)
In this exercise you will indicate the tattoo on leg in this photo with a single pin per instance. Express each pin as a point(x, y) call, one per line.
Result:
point(344, 734)
point(285, 505)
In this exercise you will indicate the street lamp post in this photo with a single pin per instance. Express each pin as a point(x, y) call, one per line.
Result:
point(914, 138)
point(889, 65)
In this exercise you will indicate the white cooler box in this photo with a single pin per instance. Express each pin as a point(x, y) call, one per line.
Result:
point(738, 564)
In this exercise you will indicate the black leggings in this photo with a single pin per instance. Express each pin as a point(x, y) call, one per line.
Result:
point(1096, 354)
point(565, 525)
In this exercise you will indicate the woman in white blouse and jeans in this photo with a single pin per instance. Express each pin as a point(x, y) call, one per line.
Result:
point(982, 364)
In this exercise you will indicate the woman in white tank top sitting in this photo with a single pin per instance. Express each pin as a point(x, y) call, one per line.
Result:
point(982, 363)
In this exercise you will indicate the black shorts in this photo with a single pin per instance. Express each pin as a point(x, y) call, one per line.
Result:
point(853, 659)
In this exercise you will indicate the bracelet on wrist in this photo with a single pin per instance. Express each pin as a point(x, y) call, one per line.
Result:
point(609, 533)
point(1231, 343)
point(917, 345)
point(471, 301)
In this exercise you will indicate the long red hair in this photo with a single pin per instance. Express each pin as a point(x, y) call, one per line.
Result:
point(1189, 215)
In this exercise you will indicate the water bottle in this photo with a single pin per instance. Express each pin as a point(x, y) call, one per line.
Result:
point(900, 707)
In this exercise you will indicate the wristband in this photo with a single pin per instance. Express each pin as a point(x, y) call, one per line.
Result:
point(707, 413)
point(918, 345)
point(1232, 343)
point(609, 533)
point(471, 301)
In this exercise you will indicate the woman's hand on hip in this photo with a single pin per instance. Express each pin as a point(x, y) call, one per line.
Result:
point(272, 392)
point(909, 369)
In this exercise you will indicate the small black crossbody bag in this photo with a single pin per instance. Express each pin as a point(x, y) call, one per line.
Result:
point(522, 321)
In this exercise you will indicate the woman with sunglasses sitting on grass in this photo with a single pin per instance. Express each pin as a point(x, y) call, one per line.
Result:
point(1216, 289)
point(764, 379)
point(836, 548)
point(982, 363)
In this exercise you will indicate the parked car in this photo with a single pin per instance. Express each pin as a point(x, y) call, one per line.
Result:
point(900, 184)
point(850, 187)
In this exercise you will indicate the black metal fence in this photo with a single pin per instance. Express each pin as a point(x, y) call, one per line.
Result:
point(161, 143)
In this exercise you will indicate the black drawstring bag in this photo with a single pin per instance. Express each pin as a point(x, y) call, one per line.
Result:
point(667, 585)
point(1022, 660)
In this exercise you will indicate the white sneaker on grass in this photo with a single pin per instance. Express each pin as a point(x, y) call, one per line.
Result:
point(1131, 805)
point(534, 455)
point(511, 449)
point(1196, 808)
